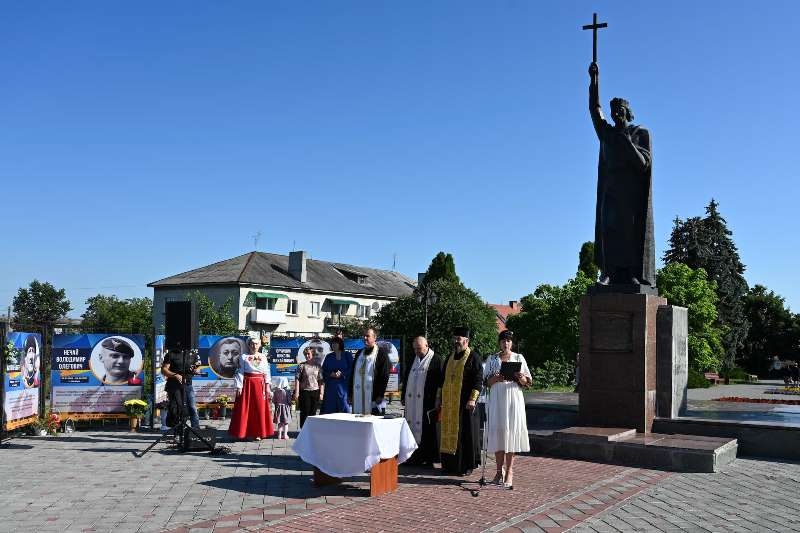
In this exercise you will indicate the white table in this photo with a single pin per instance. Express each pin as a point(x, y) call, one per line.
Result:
point(343, 445)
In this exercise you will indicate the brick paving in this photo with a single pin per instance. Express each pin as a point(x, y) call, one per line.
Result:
point(91, 482)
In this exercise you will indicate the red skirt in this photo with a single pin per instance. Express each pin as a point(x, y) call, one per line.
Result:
point(251, 418)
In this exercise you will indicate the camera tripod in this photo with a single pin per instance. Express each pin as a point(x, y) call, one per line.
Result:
point(179, 431)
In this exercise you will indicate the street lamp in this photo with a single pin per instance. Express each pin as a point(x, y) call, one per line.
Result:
point(427, 297)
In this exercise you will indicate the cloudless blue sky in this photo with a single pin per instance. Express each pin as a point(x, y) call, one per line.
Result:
point(142, 139)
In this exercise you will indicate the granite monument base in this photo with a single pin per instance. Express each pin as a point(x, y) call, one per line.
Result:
point(618, 360)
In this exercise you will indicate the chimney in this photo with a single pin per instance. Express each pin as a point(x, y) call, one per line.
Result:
point(297, 266)
point(420, 278)
point(513, 304)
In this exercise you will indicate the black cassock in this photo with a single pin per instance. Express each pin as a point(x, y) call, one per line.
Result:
point(428, 450)
point(468, 452)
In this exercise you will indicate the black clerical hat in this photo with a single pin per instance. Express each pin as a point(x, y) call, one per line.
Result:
point(461, 332)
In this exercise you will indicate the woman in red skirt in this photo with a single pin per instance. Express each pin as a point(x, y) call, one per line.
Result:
point(251, 417)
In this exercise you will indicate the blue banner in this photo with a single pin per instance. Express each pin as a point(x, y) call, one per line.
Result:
point(285, 354)
point(95, 373)
point(22, 379)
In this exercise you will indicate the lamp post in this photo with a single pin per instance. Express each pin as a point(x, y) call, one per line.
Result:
point(427, 297)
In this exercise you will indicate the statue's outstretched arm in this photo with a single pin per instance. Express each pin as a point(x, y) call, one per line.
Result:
point(595, 109)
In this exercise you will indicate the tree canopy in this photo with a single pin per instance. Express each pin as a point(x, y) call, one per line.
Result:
point(40, 304)
point(548, 328)
point(455, 305)
point(214, 319)
point(109, 314)
point(774, 330)
point(586, 262)
point(690, 288)
point(707, 243)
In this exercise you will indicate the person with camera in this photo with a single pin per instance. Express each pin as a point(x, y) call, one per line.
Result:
point(179, 367)
point(507, 430)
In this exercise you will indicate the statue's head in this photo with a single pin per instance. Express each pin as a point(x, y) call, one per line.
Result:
point(621, 111)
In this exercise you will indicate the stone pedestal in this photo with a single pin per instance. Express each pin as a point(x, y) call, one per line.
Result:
point(672, 361)
point(618, 360)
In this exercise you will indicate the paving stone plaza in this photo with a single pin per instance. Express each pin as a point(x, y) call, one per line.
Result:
point(91, 481)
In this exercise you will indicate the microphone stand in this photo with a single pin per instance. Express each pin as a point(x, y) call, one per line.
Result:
point(180, 431)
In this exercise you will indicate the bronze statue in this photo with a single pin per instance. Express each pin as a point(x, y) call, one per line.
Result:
point(624, 245)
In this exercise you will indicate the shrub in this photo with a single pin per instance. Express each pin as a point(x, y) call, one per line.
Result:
point(552, 373)
point(696, 380)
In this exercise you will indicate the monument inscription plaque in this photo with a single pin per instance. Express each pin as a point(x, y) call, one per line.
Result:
point(612, 332)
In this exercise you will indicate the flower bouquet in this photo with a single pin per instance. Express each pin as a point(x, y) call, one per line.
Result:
point(223, 400)
point(135, 410)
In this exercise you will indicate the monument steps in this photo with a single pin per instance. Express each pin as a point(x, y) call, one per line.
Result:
point(674, 452)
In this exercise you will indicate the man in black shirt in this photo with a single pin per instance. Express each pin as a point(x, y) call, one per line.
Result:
point(177, 367)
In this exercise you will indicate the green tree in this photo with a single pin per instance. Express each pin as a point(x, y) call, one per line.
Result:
point(455, 305)
point(772, 330)
point(214, 320)
point(548, 328)
point(442, 267)
point(690, 288)
point(707, 243)
point(109, 314)
point(40, 304)
point(586, 262)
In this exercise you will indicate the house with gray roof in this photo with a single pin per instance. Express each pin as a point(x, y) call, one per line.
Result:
point(275, 293)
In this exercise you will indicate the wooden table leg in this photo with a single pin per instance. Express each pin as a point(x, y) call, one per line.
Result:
point(322, 479)
point(383, 477)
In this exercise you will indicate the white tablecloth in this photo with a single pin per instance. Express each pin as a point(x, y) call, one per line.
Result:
point(343, 445)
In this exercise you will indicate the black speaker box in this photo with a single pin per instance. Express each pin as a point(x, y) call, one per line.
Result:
point(191, 443)
point(180, 325)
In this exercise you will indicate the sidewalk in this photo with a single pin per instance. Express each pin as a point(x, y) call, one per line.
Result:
point(92, 482)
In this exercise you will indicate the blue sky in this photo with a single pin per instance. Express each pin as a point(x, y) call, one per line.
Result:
point(143, 139)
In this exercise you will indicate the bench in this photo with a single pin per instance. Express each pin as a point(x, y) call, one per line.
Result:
point(713, 377)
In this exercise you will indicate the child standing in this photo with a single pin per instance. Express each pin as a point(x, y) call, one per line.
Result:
point(282, 402)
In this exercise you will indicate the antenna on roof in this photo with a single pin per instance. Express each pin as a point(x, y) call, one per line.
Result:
point(256, 238)
point(394, 261)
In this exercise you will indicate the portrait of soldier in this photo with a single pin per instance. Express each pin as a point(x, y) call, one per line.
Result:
point(115, 356)
point(30, 362)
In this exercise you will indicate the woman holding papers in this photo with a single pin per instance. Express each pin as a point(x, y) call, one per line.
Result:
point(505, 374)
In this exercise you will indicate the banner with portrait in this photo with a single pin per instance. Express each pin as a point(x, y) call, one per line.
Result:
point(286, 353)
point(159, 381)
point(93, 374)
point(22, 378)
point(218, 359)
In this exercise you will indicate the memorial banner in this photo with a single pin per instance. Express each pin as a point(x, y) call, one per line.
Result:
point(285, 354)
point(159, 381)
point(22, 379)
point(93, 374)
point(218, 360)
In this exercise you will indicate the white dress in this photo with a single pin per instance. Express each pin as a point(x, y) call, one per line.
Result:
point(507, 429)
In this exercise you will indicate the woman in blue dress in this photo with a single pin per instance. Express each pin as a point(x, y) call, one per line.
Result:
point(335, 373)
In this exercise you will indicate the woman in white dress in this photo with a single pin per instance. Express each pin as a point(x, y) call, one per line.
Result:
point(507, 430)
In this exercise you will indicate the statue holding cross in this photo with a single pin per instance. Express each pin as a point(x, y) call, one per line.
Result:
point(624, 244)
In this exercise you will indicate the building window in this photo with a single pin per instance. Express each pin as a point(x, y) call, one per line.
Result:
point(339, 309)
point(291, 307)
point(266, 303)
point(315, 308)
point(363, 311)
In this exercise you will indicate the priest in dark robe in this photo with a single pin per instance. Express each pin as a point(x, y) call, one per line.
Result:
point(459, 445)
point(369, 377)
point(624, 245)
point(421, 382)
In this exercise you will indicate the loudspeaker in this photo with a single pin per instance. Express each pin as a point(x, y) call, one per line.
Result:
point(192, 443)
point(180, 325)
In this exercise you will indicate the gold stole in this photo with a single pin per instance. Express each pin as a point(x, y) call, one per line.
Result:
point(451, 400)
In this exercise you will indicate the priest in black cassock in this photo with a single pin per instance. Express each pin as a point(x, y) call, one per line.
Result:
point(421, 382)
point(459, 446)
